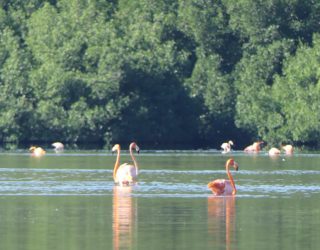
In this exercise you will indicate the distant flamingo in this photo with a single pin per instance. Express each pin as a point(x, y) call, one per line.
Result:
point(125, 173)
point(274, 152)
point(254, 148)
point(37, 151)
point(58, 146)
point(288, 149)
point(226, 146)
point(222, 186)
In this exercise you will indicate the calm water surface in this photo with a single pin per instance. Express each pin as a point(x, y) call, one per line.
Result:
point(69, 201)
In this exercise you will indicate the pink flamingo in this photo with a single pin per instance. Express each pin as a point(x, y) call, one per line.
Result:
point(254, 148)
point(222, 186)
point(58, 146)
point(125, 173)
point(274, 152)
point(288, 149)
point(37, 151)
point(226, 146)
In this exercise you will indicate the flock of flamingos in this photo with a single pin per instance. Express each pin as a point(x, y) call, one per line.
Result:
point(126, 174)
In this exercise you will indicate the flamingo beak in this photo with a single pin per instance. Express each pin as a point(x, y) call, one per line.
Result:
point(138, 149)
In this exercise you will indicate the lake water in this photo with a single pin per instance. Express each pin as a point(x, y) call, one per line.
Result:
point(69, 201)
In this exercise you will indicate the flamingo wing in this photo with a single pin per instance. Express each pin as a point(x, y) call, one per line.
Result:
point(217, 186)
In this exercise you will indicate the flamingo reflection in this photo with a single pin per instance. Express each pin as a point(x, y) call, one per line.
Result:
point(124, 217)
point(222, 219)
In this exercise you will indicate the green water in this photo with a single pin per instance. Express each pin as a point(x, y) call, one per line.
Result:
point(69, 201)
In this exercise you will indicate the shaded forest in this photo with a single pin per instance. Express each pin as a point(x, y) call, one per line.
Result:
point(171, 73)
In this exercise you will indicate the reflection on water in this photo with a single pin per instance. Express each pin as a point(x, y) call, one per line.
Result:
point(124, 217)
point(222, 219)
point(70, 202)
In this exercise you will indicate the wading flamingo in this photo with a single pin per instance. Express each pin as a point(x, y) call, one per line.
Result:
point(58, 146)
point(274, 152)
point(226, 146)
point(125, 173)
point(37, 151)
point(254, 148)
point(288, 149)
point(222, 186)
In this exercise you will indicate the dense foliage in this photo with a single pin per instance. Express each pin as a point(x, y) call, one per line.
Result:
point(184, 73)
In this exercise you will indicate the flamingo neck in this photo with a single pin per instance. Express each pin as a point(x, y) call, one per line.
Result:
point(133, 159)
point(230, 177)
point(116, 165)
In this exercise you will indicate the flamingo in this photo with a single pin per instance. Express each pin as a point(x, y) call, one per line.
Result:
point(226, 146)
point(223, 186)
point(274, 152)
point(37, 151)
point(288, 149)
point(125, 173)
point(58, 146)
point(254, 148)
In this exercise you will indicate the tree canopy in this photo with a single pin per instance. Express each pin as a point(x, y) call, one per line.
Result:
point(173, 73)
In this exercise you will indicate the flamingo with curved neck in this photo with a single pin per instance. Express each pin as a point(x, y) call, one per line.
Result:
point(223, 186)
point(125, 173)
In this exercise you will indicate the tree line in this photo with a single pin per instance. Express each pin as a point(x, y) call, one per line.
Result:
point(171, 73)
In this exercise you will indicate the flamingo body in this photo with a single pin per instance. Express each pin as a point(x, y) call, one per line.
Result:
point(37, 151)
point(254, 148)
point(58, 146)
point(274, 152)
point(222, 186)
point(125, 174)
point(288, 149)
point(226, 146)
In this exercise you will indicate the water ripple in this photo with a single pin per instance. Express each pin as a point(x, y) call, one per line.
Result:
point(154, 183)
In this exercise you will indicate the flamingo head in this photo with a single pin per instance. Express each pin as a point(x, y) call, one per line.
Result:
point(135, 146)
point(116, 147)
point(231, 162)
point(231, 143)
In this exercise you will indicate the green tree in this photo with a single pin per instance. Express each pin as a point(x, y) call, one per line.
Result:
point(297, 92)
point(73, 94)
point(256, 110)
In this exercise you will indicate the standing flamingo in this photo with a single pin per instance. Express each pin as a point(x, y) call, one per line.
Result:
point(222, 186)
point(226, 146)
point(288, 149)
point(125, 173)
point(254, 148)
